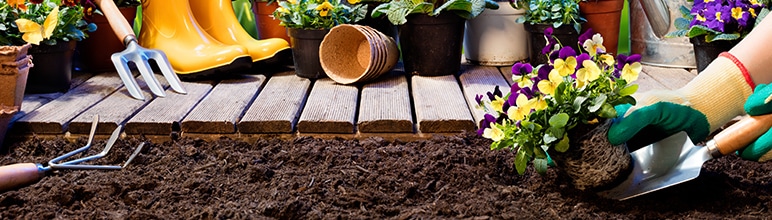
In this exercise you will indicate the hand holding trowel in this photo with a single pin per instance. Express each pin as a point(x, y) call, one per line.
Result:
point(138, 55)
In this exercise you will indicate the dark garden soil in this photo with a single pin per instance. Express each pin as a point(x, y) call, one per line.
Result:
point(306, 178)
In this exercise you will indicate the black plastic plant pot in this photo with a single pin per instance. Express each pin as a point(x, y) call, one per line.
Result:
point(305, 52)
point(566, 34)
point(431, 46)
point(53, 67)
point(705, 53)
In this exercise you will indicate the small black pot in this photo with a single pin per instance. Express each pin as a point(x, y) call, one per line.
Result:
point(381, 24)
point(566, 34)
point(305, 52)
point(53, 67)
point(705, 52)
point(431, 46)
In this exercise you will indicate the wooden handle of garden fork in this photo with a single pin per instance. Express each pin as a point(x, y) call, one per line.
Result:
point(120, 26)
point(19, 175)
point(740, 134)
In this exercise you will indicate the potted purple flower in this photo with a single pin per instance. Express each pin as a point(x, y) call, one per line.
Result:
point(716, 26)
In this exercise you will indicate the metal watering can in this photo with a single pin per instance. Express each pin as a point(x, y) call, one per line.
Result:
point(650, 20)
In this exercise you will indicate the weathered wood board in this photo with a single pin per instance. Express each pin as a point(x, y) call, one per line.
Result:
point(277, 107)
point(385, 106)
point(331, 108)
point(478, 80)
point(221, 109)
point(671, 78)
point(163, 115)
point(440, 105)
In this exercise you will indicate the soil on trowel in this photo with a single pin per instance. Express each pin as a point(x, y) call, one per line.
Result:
point(446, 177)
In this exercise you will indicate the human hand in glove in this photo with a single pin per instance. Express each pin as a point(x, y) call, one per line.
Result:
point(707, 102)
point(759, 103)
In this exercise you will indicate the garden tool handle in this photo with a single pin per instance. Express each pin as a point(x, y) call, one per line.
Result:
point(18, 175)
point(120, 26)
point(739, 135)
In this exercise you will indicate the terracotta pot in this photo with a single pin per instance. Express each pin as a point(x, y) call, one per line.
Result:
point(603, 16)
point(93, 53)
point(591, 162)
point(53, 68)
point(705, 53)
point(6, 114)
point(431, 45)
point(305, 52)
point(267, 26)
point(565, 33)
point(494, 38)
point(13, 74)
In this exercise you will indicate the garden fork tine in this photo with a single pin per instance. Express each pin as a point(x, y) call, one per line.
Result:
point(138, 55)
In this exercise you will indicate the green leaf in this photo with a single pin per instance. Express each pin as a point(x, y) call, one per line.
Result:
point(723, 36)
point(540, 165)
point(557, 132)
point(607, 111)
point(521, 160)
point(597, 102)
point(549, 138)
point(629, 90)
point(559, 120)
point(697, 31)
point(624, 100)
point(685, 12)
point(559, 91)
point(562, 145)
point(762, 14)
point(681, 23)
point(578, 103)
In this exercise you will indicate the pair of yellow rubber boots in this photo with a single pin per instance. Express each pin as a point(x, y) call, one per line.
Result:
point(202, 38)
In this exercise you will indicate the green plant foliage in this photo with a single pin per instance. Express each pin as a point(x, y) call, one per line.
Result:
point(68, 25)
point(398, 10)
point(555, 12)
point(318, 14)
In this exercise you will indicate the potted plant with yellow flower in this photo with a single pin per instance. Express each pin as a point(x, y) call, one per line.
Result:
point(564, 109)
point(52, 27)
point(307, 22)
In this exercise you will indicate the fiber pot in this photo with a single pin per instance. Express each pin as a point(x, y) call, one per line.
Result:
point(431, 46)
point(14, 69)
point(305, 51)
point(591, 162)
point(566, 34)
point(355, 54)
point(493, 38)
point(382, 24)
point(705, 52)
point(93, 53)
point(267, 27)
point(6, 114)
point(53, 67)
point(603, 16)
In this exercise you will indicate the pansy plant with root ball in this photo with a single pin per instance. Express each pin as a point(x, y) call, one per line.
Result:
point(548, 100)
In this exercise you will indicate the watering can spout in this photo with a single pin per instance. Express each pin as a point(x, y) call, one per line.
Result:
point(658, 15)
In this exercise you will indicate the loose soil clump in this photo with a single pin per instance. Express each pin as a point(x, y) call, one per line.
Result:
point(307, 178)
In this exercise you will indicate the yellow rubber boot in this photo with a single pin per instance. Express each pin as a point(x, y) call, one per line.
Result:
point(218, 19)
point(168, 25)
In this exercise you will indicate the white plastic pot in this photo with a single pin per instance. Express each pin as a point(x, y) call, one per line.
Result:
point(494, 38)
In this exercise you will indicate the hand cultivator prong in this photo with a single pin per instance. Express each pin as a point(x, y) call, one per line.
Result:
point(139, 148)
point(75, 164)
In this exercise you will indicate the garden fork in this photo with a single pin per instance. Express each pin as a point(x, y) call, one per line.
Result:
point(23, 174)
point(138, 55)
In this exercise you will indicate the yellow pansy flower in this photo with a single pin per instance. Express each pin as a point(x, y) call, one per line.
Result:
point(630, 71)
point(494, 133)
point(522, 80)
point(498, 104)
point(324, 9)
point(608, 59)
point(594, 45)
point(565, 67)
point(588, 73)
point(548, 86)
point(522, 107)
point(353, 2)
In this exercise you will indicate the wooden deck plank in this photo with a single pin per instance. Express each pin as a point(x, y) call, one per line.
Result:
point(506, 72)
point(277, 107)
point(53, 117)
point(646, 83)
point(34, 101)
point(162, 115)
point(113, 110)
point(385, 106)
point(221, 109)
point(671, 78)
point(478, 80)
point(331, 108)
point(440, 105)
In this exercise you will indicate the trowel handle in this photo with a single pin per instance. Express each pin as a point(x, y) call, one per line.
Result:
point(740, 134)
point(120, 26)
point(19, 175)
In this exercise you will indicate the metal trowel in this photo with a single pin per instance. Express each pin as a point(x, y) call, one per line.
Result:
point(676, 160)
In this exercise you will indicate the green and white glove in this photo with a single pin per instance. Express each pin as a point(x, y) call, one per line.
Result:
point(706, 103)
point(759, 103)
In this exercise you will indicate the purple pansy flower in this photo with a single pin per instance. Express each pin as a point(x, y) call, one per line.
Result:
point(586, 35)
point(550, 41)
point(478, 98)
point(581, 58)
point(486, 123)
point(496, 93)
point(566, 52)
point(521, 68)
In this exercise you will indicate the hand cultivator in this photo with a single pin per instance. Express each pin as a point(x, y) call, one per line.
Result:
point(138, 55)
point(23, 174)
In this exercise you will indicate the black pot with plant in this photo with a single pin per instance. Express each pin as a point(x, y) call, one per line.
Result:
point(564, 18)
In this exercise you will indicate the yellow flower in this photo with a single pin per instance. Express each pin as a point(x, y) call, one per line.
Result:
point(630, 72)
point(522, 108)
point(353, 2)
point(549, 86)
point(34, 32)
point(701, 18)
point(498, 104)
point(565, 67)
point(324, 9)
point(17, 4)
point(292, 1)
point(594, 45)
point(588, 73)
point(608, 59)
point(540, 103)
point(494, 133)
point(522, 81)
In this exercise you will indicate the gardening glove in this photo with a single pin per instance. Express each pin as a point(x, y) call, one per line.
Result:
point(759, 103)
point(707, 102)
